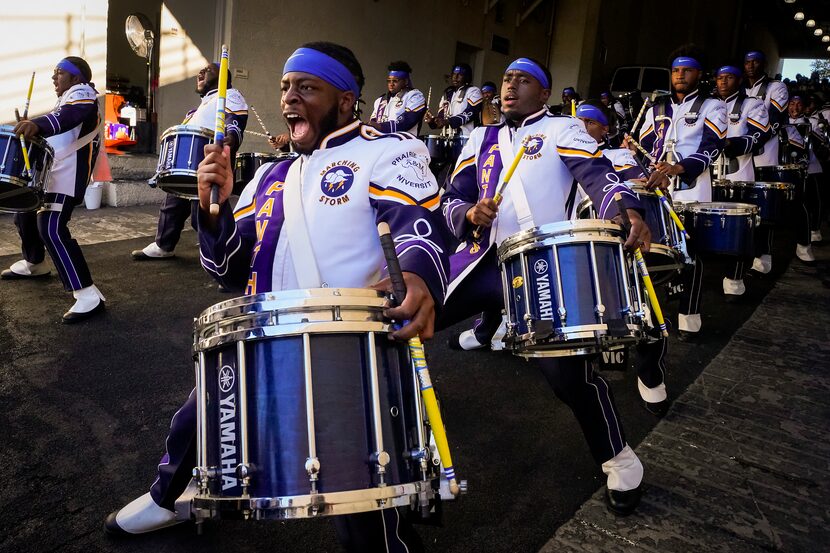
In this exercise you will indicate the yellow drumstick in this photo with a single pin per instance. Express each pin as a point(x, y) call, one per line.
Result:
point(23, 148)
point(573, 108)
point(641, 264)
point(416, 351)
point(219, 127)
point(498, 196)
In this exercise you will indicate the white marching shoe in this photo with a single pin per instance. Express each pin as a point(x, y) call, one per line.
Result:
point(151, 251)
point(465, 341)
point(139, 516)
point(89, 301)
point(24, 269)
point(733, 287)
point(804, 253)
point(762, 264)
point(815, 236)
point(625, 477)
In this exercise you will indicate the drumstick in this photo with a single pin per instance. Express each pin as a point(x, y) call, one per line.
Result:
point(254, 133)
point(641, 264)
point(663, 200)
point(497, 197)
point(219, 129)
point(25, 150)
point(416, 350)
point(429, 97)
point(261, 124)
point(642, 112)
point(573, 108)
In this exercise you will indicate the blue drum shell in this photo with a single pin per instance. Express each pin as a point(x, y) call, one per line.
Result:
point(181, 150)
point(25, 190)
point(278, 429)
point(771, 198)
point(716, 233)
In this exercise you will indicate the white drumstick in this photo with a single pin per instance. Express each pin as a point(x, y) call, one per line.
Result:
point(261, 124)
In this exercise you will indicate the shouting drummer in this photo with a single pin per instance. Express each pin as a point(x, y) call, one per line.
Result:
point(175, 210)
point(748, 131)
point(402, 108)
point(71, 128)
point(348, 178)
point(460, 104)
point(686, 132)
point(559, 153)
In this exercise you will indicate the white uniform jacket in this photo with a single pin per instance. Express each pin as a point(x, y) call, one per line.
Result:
point(402, 112)
point(695, 140)
point(461, 108)
point(748, 131)
point(775, 97)
point(357, 178)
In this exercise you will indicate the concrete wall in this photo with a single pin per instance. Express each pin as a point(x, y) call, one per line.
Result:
point(265, 32)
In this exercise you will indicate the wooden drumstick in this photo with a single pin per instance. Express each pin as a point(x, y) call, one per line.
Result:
point(219, 129)
point(642, 112)
point(416, 351)
point(261, 124)
point(499, 195)
point(663, 200)
point(641, 264)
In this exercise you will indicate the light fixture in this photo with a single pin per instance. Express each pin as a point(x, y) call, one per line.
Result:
point(828, 48)
point(789, 1)
point(799, 16)
point(825, 38)
point(818, 31)
point(811, 23)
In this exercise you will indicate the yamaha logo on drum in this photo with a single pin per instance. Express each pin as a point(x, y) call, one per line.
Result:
point(543, 297)
point(226, 378)
point(541, 267)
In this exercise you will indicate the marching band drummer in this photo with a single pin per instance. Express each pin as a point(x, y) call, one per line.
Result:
point(251, 249)
point(747, 133)
point(174, 210)
point(491, 107)
point(559, 151)
point(402, 108)
point(775, 97)
point(691, 129)
point(815, 171)
point(651, 353)
point(71, 128)
point(460, 104)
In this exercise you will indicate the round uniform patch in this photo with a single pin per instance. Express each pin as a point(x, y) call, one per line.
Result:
point(534, 145)
point(337, 181)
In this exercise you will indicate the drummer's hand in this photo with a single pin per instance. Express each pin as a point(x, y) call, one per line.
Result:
point(483, 213)
point(439, 122)
point(27, 128)
point(279, 141)
point(418, 308)
point(657, 179)
point(639, 235)
point(215, 169)
point(626, 143)
point(669, 169)
point(428, 117)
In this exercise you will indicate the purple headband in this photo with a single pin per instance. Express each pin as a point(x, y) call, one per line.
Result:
point(70, 67)
point(755, 55)
point(685, 61)
point(488, 88)
point(531, 68)
point(308, 60)
point(569, 89)
point(399, 74)
point(605, 95)
point(731, 69)
point(796, 97)
point(591, 112)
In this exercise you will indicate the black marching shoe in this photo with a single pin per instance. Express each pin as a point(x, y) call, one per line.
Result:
point(686, 336)
point(658, 409)
point(623, 503)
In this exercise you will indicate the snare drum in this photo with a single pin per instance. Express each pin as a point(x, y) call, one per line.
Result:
point(569, 289)
point(792, 173)
point(437, 147)
point(20, 192)
point(721, 227)
point(454, 147)
point(770, 197)
point(306, 409)
point(665, 257)
point(181, 150)
point(247, 164)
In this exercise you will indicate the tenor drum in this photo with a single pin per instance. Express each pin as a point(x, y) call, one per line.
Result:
point(306, 409)
point(247, 164)
point(20, 191)
point(721, 227)
point(770, 197)
point(792, 173)
point(181, 150)
point(437, 147)
point(665, 257)
point(454, 147)
point(569, 289)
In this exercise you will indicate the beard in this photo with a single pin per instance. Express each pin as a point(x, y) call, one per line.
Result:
point(328, 124)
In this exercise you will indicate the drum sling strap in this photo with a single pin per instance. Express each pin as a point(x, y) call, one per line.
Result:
point(517, 189)
point(735, 115)
point(82, 141)
point(299, 242)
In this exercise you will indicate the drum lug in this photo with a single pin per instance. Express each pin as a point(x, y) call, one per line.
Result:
point(600, 309)
point(201, 476)
point(312, 467)
point(382, 459)
point(563, 315)
point(723, 222)
point(243, 471)
point(529, 323)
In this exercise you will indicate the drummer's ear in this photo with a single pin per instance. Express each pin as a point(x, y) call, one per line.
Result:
point(545, 96)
